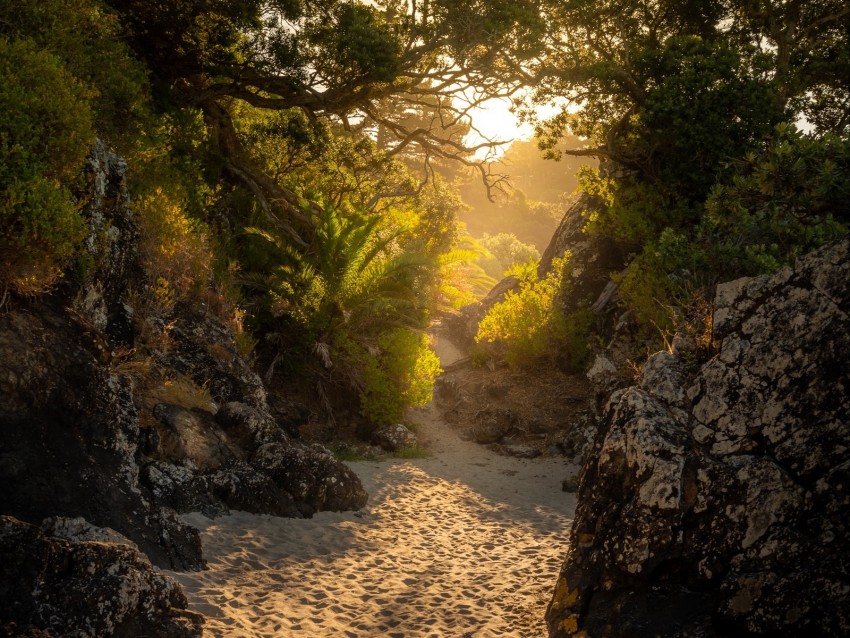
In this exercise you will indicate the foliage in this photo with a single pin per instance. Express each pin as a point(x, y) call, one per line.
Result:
point(44, 136)
point(175, 249)
point(527, 325)
point(413, 452)
point(402, 375)
point(464, 276)
point(577, 341)
point(354, 277)
point(690, 108)
point(334, 61)
point(780, 203)
point(508, 250)
point(86, 39)
point(361, 300)
point(532, 221)
point(63, 75)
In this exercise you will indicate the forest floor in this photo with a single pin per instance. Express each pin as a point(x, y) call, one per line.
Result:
point(464, 543)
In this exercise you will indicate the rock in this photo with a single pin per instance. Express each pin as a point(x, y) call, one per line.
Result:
point(516, 451)
point(394, 437)
point(72, 428)
point(492, 425)
point(203, 348)
point(100, 295)
point(182, 542)
point(73, 442)
point(570, 483)
point(602, 371)
point(593, 258)
point(315, 479)
point(718, 505)
point(241, 487)
point(181, 487)
point(88, 586)
point(79, 529)
point(663, 376)
point(249, 427)
point(288, 414)
point(447, 392)
point(193, 435)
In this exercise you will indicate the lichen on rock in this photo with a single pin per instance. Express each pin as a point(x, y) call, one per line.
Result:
point(718, 504)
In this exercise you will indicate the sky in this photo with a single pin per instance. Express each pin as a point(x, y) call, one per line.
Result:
point(497, 123)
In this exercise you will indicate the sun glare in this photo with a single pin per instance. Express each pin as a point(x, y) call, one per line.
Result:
point(494, 121)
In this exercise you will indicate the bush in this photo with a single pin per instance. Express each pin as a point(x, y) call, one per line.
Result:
point(175, 249)
point(401, 376)
point(527, 325)
point(509, 250)
point(85, 37)
point(781, 203)
point(45, 133)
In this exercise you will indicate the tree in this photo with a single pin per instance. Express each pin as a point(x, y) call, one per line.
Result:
point(635, 69)
point(338, 60)
point(671, 96)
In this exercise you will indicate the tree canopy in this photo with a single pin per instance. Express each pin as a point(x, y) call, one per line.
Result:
point(339, 130)
point(346, 62)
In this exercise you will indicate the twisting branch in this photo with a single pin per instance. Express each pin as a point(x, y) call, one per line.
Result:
point(272, 197)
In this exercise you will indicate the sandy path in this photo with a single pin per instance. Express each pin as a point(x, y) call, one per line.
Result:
point(466, 543)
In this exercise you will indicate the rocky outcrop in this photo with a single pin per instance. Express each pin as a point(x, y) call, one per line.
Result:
point(593, 258)
point(73, 579)
point(78, 438)
point(70, 426)
point(717, 503)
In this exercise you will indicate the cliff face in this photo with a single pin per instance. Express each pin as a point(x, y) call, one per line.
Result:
point(79, 439)
point(718, 504)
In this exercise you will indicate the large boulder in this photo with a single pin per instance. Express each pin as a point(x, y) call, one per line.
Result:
point(73, 579)
point(311, 474)
point(718, 504)
point(71, 437)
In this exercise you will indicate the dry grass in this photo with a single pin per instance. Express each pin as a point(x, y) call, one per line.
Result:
point(182, 391)
point(25, 278)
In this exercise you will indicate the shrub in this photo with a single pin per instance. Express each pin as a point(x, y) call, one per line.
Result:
point(45, 133)
point(401, 376)
point(85, 37)
point(509, 250)
point(175, 249)
point(527, 325)
point(785, 201)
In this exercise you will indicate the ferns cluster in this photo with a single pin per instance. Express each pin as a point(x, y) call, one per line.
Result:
point(360, 299)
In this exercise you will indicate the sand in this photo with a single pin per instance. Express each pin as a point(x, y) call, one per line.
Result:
point(466, 543)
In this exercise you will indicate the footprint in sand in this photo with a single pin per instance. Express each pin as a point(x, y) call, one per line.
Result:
point(446, 546)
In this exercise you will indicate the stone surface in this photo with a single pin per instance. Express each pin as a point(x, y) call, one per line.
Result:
point(315, 479)
point(71, 437)
point(516, 451)
point(84, 583)
point(491, 425)
point(394, 437)
point(719, 504)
